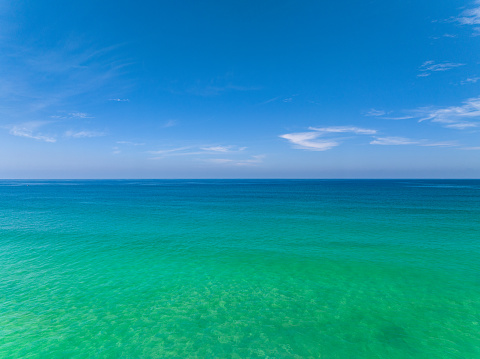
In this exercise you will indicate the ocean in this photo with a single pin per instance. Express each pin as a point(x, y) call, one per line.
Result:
point(240, 269)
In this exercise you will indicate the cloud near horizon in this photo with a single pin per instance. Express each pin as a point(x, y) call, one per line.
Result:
point(197, 150)
point(310, 140)
point(457, 117)
point(401, 141)
point(29, 130)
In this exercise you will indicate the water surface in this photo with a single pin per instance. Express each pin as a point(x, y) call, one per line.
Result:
point(240, 269)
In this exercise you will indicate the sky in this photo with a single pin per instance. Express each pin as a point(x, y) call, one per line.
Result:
point(240, 89)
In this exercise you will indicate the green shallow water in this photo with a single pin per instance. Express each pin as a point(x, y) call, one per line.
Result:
point(239, 269)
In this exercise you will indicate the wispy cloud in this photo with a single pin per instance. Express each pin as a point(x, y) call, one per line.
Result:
point(283, 99)
point(130, 143)
point(270, 100)
point(393, 141)
point(79, 115)
point(119, 99)
point(470, 16)
point(430, 66)
point(71, 116)
point(84, 134)
point(373, 112)
point(176, 151)
point(170, 123)
point(440, 144)
point(309, 141)
point(313, 141)
point(39, 80)
point(222, 148)
point(214, 86)
point(407, 117)
point(458, 117)
point(252, 161)
point(30, 130)
point(344, 129)
point(470, 80)
point(451, 36)
point(381, 114)
point(197, 150)
point(401, 141)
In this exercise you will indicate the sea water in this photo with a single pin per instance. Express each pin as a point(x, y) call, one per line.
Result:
point(240, 269)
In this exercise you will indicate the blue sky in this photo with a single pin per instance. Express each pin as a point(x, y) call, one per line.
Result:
point(240, 89)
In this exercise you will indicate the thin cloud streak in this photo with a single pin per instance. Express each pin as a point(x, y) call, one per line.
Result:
point(470, 80)
point(374, 113)
point(402, 141)
point(310, 140)
point(170, 123)
point(430, 66)
point(470, 16)
point(344, 129)
point(252, 161)
point(197, 150)
point(398, 118)
point(28, 130)
point(457, 117)
point(393, 141)
point(130, 143)
point(84, 134)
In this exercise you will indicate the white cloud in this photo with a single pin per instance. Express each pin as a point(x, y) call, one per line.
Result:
point(252, 161)
point(170, 123)
point(459, 117)
point(309, 141)
point(470, 16)
point(130, 143)
point(71, 115)
point(430, 66)
point(219, 148)
point(393, 141)
point(29, 130)
point(398, 118)
point(79, 115)
point(401, 141)
point(171, 151)
point(194, 150)
point(374, 112)
point(380, 113)
point(83, 134)
point(462, 125)
point(344, 129)
point(222, 148)
point(441, 144)
point(270, 100)
point(470, 80)
point(471, 148)
point(119, 99)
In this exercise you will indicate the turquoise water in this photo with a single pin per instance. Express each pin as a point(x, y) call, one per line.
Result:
point(240, 269)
